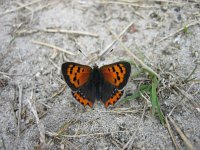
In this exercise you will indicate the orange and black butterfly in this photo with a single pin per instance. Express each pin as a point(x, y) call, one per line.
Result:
point(90, 84)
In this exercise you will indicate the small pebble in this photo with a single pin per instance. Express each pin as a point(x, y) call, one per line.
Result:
point(37, 74)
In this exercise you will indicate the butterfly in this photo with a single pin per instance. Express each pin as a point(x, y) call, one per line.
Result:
point(89, 84)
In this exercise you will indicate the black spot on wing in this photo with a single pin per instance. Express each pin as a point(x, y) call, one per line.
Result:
point(71, 69)
point(74, 79)
point(118, 77)
point(78, 81)
point(121, 70)
point(78, 70)
point(113, 68)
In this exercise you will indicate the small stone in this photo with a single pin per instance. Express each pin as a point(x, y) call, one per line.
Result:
point(164, 8)
point(37, 74)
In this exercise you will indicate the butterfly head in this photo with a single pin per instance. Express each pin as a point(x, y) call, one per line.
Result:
point(95, 66)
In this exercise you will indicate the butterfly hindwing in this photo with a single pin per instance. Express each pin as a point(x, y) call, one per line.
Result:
point(110, 94)
point(114, 98)
point(75, 75)
point(81, 98)
point(116, 74)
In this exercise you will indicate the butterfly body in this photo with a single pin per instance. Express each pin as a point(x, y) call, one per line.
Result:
point(90, 84)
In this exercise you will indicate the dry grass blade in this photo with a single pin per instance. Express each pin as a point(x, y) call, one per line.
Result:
point(58, 92)
point(52, 46)
point(189, 97)
point(121, 111)
point(95, 134)
point(39, 124)
point(189, 76)
point(134, 57)
point(20, 110)
point(18, 8)
point(167, 1)
point(63, 31)
point(179, 30)
point(70, 32)
point(182, 135)
point(171, 134)
point(120, 35)
point(125, 3)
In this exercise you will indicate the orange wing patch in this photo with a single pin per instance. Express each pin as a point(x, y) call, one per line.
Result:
point(81, 99)
point(116, 74)
point(78, 75)
point(114, 98)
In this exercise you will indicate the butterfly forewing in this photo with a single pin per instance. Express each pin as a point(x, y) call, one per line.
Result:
point(116, 74)
point(75, 75)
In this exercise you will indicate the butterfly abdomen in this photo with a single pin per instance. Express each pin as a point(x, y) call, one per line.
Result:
point(97, 78)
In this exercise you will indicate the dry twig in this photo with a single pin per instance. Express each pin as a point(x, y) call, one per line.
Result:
point(52, 46)
point(125, 3)
point(135, 57)
point(189, 97)
point(179, 30)
point(120, 35)
point(18, 8)
point(20, 110)
point(182, 135)
point(70, 32)
point(95, 134)
point(24, 32)
point(39, 124)
point(171, 134)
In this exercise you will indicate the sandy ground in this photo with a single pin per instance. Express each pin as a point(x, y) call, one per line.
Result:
point(37, 110)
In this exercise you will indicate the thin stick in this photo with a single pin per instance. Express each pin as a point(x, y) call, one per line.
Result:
point(69, 32)
point(95, 134)
point(120, 35)
point(18, 8)
point(134, 57)
point(23, 32)
point(179, 30)
point(166, 1)
point(124, 3)
point(188, 96)
point(7, 74)
point(37, 120)
point(52, 46)
point(122, 111)
point(58, 67)
point(188, 77)
point(171, 134)
point(57, 92)
point(22, 5)
point(184, 138)
point(20, 110)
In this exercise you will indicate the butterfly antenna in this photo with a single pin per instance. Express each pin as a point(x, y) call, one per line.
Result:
point(95, 65)
point(111, 50)
point(82, 53)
